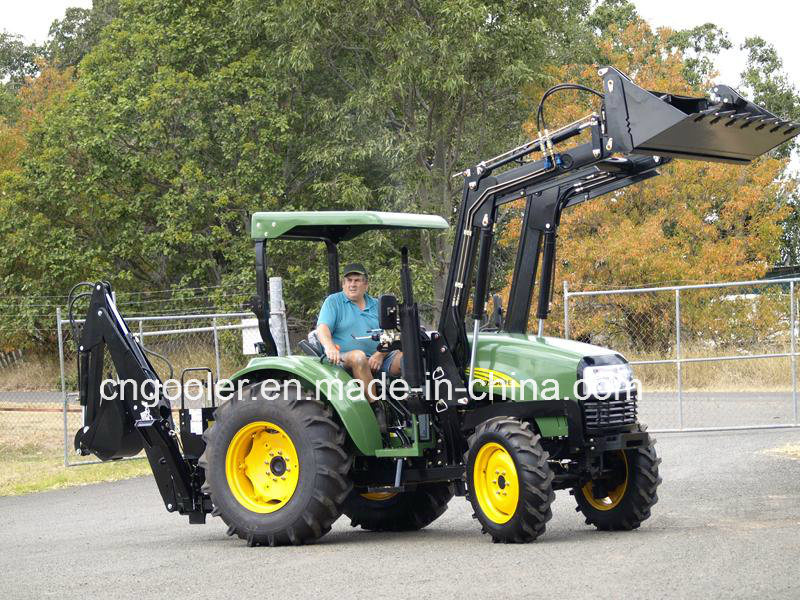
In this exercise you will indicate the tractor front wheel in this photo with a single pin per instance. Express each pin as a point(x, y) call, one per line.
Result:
point(276, 470)
point(403, 511)
point(510, 483)
point(622, 499)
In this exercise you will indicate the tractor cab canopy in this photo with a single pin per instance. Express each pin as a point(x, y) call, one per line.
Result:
point(330, 227)
point(335, 226)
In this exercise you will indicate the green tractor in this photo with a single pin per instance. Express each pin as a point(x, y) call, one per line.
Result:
point(498, 414)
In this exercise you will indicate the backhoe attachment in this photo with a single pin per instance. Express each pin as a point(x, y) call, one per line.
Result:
point(123, 416)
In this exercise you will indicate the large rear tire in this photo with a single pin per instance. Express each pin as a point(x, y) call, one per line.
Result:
point(624, 498)
point(276, 470)
point(510, 483)
point(404, 511)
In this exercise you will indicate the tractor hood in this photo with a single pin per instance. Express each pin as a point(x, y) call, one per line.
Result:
point(520, 359)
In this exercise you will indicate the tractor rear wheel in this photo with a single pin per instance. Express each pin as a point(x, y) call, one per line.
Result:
point(623, 499)
point(403, 511)
point(510, 483)
point(276, 470)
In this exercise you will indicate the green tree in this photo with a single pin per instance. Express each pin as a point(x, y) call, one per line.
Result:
point(432, 87)
point(187, 117)
point(17, 60)
point(769, 86)
point(73, 36)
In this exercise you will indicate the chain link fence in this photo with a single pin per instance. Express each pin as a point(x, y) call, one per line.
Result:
point(173, 343)
point(715, 356)
point(709, 357)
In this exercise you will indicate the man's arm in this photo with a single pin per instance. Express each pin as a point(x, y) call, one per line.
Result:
point(326, 339)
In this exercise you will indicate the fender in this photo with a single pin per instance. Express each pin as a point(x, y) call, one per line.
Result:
point(330, 383)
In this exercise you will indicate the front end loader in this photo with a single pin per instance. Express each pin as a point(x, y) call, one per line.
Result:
point(293, 447)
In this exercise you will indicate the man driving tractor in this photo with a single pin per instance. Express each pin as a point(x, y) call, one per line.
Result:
point(344, 327)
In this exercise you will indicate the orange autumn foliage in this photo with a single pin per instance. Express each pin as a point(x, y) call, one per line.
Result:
point(697, 222)
point(37, 96)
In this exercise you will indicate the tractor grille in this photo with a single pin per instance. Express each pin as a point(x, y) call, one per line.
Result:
point(613, 413)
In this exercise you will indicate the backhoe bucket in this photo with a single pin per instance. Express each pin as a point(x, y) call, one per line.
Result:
point(724, 128)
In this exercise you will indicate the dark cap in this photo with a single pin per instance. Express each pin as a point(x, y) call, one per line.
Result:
point(354, 268)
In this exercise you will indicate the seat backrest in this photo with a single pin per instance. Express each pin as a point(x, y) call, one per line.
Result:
point(311, 345)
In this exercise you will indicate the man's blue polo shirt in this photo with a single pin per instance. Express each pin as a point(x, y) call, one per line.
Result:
point(345, 319)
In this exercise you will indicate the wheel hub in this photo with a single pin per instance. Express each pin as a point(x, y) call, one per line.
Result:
point(278, 466)
point(496, 483)
point(262, 467)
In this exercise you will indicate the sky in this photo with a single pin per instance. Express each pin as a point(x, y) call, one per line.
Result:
point(773, 20)
point(32, 18)
point(770, 19)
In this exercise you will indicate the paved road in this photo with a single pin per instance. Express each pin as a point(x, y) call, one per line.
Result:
point(660, 410)
point(727, 525)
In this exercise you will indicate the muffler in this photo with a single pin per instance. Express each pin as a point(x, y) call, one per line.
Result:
point(723, 128)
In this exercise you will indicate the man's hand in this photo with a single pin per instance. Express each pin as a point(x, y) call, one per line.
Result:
point(326, 339)
point(376, 360)
point(333, 355)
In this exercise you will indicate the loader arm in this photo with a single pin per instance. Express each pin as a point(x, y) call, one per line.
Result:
point(120, 421)
point(635, 132)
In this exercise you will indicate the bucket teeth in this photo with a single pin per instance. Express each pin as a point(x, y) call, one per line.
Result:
point(768, 121)
point(703, 114)
point(778, 125)
point(749, 120)
point(719, 115)
point(737, 117)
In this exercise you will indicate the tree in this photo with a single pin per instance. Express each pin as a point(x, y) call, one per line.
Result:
point(432, 87)
point(188, 117)
point(72, 37)
point(697, 222)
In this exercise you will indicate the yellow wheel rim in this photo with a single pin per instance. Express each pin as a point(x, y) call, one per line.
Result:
point(379, 496)
point(262, 467)
point(495, 482)
point(614, 497)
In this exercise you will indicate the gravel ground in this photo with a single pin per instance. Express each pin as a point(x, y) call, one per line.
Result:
point(727, 525)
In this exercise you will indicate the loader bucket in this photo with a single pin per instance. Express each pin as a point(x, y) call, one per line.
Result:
point(724, 128)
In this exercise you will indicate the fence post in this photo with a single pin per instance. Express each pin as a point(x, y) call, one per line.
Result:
point(566, 309)
point(793, 338)
point(678, 355)
point(216, 345)
point(63, 381)
point(277, 316)
point(141, 333)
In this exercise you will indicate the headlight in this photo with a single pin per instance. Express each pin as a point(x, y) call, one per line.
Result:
point(605, 380)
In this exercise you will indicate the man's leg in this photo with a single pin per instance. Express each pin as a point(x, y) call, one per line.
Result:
point(392, 364)
point(358, 364)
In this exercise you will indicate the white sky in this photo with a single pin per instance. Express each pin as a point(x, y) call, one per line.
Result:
point(32, 18)
point(773, 20)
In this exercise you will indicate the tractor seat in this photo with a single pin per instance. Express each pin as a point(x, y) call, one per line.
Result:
point(311, 345)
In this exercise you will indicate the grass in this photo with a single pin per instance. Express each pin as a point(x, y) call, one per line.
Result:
point(32, 455)
point(37, 373)
point(32, 468)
